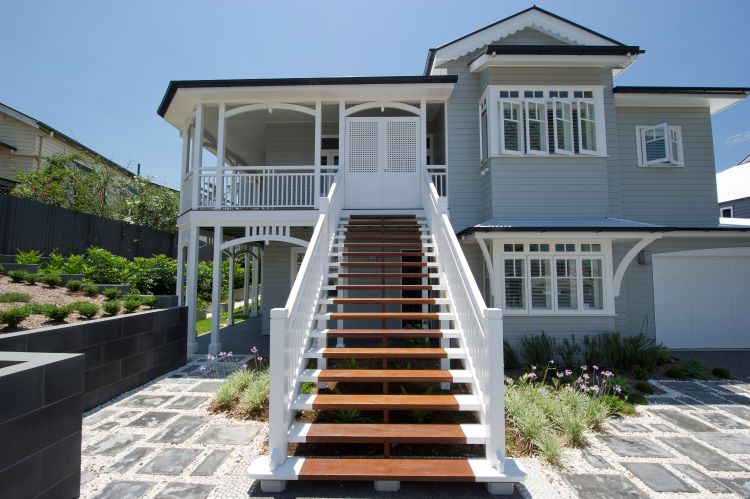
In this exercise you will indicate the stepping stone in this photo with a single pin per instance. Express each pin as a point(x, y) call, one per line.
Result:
point(86, 477)
point(603, 486)
point(125, 489)
point(207, 386)
point(738, 388)
point(740, 485)
point(97, 417)
point(187, 402)
point(128, 414)
point(106, 426)
point(736, 410)
point(229, 434)
point(702, 479)
point(628, 427)
point(731, 443)
point(185, 491)
point(180, 429)
point(111, 444)
point(146, 401)
point(152, 419)
point(595, 460)
point(706, 457)
point(634, 446)
point(721, 421)
point(681, 420)
point(658, 477)
point(663, 428)
point(211, 463)
point(170, 462)
point(125, 463)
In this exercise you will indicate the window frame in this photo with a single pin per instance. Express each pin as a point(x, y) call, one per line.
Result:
point(672, 136)
point(582, 103)
point(578, 255)
point(519, 121)
point(731, 211)
point(569, 121)
point(544, 151)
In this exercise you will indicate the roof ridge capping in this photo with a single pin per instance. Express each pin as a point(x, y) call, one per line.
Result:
point(538, 17)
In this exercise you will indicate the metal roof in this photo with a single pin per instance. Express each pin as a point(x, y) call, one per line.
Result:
point(681, 90)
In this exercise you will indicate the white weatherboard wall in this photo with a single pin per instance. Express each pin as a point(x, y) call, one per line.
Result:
point(702, 298)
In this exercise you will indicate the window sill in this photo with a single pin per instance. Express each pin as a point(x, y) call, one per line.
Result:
point(512, 313)
point(551, 156)
point(661, 165)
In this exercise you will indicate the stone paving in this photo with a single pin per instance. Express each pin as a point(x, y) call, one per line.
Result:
point(691, 441)
point(160, 440)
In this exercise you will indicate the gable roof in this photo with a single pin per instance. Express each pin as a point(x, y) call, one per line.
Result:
point(533, 17)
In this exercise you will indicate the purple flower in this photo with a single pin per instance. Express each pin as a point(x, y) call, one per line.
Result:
point(532, 376)
point(229, 354)
point(260, 359)
point(533, 368)
point(579, 380)
point(595, 368)
point(583, 368)
point(253, 350)
point(568, 372)
point(607, 374)
point(585, 376)
point(595, 389)
point(560, 375)
point(509, 380)
point(617, 389)
point(202, 368)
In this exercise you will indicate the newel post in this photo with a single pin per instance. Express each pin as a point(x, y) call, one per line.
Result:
point(495, 396)
point(279, 391)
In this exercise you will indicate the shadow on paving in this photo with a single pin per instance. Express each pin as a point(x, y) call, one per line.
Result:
point(736, 361)
point(239, 338)
point(325, 489)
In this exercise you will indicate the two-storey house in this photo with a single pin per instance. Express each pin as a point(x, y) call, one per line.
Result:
point(513, 173)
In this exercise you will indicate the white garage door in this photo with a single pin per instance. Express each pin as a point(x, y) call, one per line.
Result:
point(702, 298)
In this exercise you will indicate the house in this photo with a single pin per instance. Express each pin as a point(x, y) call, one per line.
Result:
point(733, 188)
point(513, 173)
point(25, 142)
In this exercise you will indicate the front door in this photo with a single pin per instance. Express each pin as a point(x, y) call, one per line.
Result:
point(382, 170)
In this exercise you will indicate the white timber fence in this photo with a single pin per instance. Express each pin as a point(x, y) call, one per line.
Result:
point(292, 325)
point(480, 328)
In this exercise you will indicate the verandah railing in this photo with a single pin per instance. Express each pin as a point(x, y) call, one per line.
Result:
point(480, 328)
point(292, 325)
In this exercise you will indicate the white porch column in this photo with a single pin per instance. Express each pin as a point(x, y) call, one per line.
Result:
point(246, 285)
point(220, 157)
point(192, 289)
point(230, 290)
point(215, 346)
point(256, 274)
point(318, 132)
point(422, 136)
point(197, 154)
point(180, 268)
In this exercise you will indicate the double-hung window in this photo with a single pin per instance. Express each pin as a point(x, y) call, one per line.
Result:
point(511, 128)
point(659, 145)
point(554, 278)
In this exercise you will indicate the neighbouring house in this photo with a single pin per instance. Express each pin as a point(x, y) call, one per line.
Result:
point(26, 141)
point(520, 175)
point(733, 188)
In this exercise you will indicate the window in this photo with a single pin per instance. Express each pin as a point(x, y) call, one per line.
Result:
point(659, 145)
point(297, 255)
point(558, 277)
point(543, 121)
point(727, 212)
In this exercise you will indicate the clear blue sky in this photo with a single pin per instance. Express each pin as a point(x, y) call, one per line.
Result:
point(97, 70)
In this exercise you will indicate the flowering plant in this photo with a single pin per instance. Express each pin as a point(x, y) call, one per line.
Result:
point(591, 381)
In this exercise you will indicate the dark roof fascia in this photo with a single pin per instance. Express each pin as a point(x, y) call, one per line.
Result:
point(564, 49)
point(681, 90)
point(472, 230)
point(431, 55)
point(430, 61)
point(175, 85)
point(8, 146)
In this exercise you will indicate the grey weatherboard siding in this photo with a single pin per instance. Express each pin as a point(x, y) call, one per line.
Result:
point(740, 207)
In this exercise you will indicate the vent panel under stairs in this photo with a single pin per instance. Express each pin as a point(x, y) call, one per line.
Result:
point(385, 392)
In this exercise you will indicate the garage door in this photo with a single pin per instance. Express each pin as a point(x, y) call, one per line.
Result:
point(702, 298)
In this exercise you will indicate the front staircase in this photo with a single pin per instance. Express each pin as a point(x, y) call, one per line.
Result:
point(396, 370)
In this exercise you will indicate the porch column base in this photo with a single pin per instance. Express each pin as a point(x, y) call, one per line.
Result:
point(192, 346)
point(214, 348)
point(271, 486)
point(387, 485)
point(500, 488)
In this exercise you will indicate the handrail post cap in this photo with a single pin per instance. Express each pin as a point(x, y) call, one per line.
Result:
point(279, 313)
point(494, 313)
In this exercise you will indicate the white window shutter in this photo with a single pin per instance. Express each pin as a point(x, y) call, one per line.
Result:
point(587, 127)
point(563, 123)
point(536, 128)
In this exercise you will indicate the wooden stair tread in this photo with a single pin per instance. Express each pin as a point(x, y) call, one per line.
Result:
point(380, 353)
point(395, 287)
point(374, 229)
point(386, 275)
point(388, 333)
point(382, 253)
point(384, 301)
point(383, 264)
point(383, 216)
point(458, 470)
point(384, 375)
point(384, 237)
point(379, 402)
point(386, 433)
point(359, 316)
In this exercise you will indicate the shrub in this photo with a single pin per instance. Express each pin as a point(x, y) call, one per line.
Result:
point(694, 369)
point(16, 275)
point(87, 309)
point(14, 297)
point(56, 313)
point(13, 316)
point(111, 293)
point(28, 257)
point(621, 382)
point(74, 286)
point(256, 393)
point(102, 267)
point(112, 307)
point(538, 349)
point(156, 275)
point(510, 357)
point(36, 308)
point(644, 387)
point(637, 398)
point(675, 373)
point(720, 372)
point(131, 304)
point(90, 289)
point(569, 350)
point(52, 280)
point(150, 301)
point(613, 351)
point(30, 278)
point(53, 265)
point(74, 264)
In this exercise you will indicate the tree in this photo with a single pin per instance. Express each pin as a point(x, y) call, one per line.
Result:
point(150, 204)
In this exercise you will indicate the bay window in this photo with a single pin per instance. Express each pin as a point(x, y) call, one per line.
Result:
point(562, 277)
point(543, 121)
point(659, 145)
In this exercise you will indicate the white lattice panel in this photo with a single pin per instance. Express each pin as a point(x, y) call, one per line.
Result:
point(363, 146)
point(402, 147)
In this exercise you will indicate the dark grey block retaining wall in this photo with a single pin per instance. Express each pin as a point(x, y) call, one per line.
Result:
point(121, 352)
point(41, 397)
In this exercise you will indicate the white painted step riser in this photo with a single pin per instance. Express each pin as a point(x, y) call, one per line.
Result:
point(458, 375)
point(433, 265)
point(446, 333)
point(433, 275)
point(339, 256)
point(442, 316)
point(475, 434)
point(453, 353)
point(435, 287)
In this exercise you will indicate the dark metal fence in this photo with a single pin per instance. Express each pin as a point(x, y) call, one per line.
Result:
point(31, 225)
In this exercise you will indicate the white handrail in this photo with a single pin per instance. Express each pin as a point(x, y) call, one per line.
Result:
point(480, 328)
point(291, 326)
